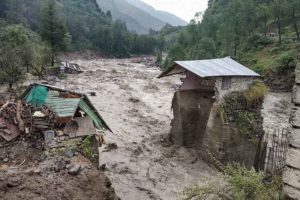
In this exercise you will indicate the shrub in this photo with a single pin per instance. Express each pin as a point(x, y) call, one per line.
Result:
point(241, 184)
point(286, 62)
point(87, 148)
point(256, 93)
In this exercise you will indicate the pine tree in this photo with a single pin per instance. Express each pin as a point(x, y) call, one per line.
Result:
point(52, 29)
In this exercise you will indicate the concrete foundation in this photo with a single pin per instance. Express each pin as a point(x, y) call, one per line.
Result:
point(191, 112)
point(197, 124)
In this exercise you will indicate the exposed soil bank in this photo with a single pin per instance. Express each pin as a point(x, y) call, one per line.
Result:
point(29, 173)
point(137, 107)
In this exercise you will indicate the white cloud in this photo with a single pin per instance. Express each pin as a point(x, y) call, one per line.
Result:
point(185, 9)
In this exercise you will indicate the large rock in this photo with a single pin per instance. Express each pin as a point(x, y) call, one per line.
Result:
point(291, 193)
point(296, 94)
point(297, 74)
point(295, 117)
point(75, 170)
point(291, 177)
point(295, 138)
point(293, 158)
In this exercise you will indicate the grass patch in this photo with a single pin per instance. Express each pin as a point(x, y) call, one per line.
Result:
point(256, 93)
point(87, 148)
point(62, 76)
point(240, 184)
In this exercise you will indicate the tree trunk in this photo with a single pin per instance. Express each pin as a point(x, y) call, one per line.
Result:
point(279, 27)
point(295, 23)
point(52, 60)
point(265, 25)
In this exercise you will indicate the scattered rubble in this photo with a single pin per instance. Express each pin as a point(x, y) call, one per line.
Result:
point(70, 68)
point(41, 137)
point(149, 61)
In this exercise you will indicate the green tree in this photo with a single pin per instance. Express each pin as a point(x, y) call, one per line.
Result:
point(294, 8)
point(53, 30)
point(277, 10)
point(14, 13)
point(263, 16)
point(12, 39)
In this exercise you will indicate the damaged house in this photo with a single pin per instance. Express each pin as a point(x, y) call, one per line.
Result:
point(73, 111)
point(197, 107)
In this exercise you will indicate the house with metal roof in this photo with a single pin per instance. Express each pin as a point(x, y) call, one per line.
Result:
point(197, 107)
point(222, 75)
point(67, 105)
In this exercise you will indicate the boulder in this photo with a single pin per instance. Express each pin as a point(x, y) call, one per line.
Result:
point(75, 170)
point(297, 74)
point(295, 138)
point(295, 117)
point(296, 94)
point(293, 158)
point(291, 193)
point(291, 177)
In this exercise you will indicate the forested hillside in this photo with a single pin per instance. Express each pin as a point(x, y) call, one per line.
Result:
point(88, 26)
point(262, 34)
point(34, 32)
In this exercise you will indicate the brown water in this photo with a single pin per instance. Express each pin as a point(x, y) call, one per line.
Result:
point(137, 107)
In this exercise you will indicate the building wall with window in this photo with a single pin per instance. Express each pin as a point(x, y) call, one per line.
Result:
point(225, 85)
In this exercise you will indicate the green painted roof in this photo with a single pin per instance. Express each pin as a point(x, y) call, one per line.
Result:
point(63, 107)
point(41, 94)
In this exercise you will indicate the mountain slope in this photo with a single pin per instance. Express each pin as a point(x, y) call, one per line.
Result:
point(162, 15)
point(139, 16)
point(135, 18)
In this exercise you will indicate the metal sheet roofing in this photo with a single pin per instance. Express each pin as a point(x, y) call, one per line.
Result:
point(66, 107)
point(211, 68)
point(63, 107)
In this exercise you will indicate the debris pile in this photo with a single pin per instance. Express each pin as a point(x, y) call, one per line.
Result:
point(51, 113)
point(148, 61)
point(70, 68)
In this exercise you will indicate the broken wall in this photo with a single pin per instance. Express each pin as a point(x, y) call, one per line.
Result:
point(199, 123)
point(233, 132)
point(191, 111)
point(291, 174)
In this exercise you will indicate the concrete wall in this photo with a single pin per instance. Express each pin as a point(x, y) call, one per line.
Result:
point(291, 174)
point(194, 82)
point(191, 111)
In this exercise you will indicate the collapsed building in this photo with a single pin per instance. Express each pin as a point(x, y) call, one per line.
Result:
point(197, 107)
point(52, 111)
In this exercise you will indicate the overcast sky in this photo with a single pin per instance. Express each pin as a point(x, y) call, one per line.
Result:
point(184, 9)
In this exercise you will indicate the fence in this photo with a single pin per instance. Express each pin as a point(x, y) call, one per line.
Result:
point(276, 146)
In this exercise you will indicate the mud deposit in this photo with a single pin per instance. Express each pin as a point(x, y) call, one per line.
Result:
point(137, 107)
point(29, 173)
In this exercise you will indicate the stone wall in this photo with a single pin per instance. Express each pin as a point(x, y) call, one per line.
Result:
point(197, 123)
point(291, 174)
point(237, 84)
point(233, 133)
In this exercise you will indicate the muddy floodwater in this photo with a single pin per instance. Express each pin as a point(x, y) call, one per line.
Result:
point(137, 107)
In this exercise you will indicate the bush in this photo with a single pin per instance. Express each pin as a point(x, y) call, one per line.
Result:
point(241, 184)
point(256, 93)
point(87, 148)
point(286, 62)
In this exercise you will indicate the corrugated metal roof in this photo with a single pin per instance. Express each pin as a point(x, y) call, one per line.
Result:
point(54, 101)
point(212, 68)
point(63, 107)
